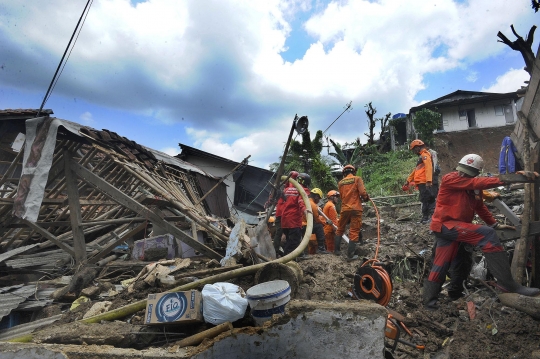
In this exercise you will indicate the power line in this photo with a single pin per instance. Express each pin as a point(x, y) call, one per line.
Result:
point(348, 107)
point(61, 65)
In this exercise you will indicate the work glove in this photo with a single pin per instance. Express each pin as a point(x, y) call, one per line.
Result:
point(530, 175)
point(328, 221)
point(503, 226)
point(405, 187)
point(429, 184)
point(294, 175)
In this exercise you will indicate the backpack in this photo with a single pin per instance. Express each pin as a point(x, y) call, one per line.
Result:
point(435, 161)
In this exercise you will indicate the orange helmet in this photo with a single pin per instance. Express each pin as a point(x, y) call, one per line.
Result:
point(332, 193)
point(349, 168)
point(415, 143)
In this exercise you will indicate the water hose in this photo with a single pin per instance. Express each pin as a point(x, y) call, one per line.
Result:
point(371, 280)
point(132, 308)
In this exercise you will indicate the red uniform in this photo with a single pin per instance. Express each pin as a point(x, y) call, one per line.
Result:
point(460, 198)
point(293, 208)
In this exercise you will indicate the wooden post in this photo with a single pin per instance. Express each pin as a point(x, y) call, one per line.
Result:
point(79, 244)
point(110, 246)
point(520, 252)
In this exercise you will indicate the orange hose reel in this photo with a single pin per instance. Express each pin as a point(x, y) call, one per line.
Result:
point(371, 280)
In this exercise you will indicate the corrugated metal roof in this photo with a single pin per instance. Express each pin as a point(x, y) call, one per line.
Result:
point(50, 260)
point(28, 328)
point(34, 304)
point(11, 300)
point(22, 111)
point(16, 251)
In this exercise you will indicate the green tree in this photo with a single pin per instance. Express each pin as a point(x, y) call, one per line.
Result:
point(425, 122)
point(342, 158)
point(306, 157)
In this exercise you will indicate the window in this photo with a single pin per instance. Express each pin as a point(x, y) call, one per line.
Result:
point(499, 110)
point(463, 113)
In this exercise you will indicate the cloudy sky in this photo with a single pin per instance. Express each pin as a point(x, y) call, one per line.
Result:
point(228, 77)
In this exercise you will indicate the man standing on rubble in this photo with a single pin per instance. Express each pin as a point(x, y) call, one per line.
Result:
point(353, 192)
point(330, 211)
point(460, 198)
point(422, 176)
point(293, 208)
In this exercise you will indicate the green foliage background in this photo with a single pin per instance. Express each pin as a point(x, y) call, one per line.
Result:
point(425, 122)
point(385, 173)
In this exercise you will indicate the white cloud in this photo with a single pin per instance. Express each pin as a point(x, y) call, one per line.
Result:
point(218, 65)
point(87, 118)
point(472, 76)
point(509, 82)
point(171, 151)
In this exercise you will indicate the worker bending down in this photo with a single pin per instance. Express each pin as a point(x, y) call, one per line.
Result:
point(353, 192)
point(459, 199)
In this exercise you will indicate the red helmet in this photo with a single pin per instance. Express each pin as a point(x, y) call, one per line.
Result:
point(349, 168)
point(415, 143)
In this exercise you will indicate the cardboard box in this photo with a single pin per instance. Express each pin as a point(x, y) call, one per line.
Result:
point(174, 308)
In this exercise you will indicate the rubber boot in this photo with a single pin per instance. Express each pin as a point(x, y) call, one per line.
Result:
point(320, 246)
point(337, 245)
point(499, 266)
point(430, 294)
point(350, 251)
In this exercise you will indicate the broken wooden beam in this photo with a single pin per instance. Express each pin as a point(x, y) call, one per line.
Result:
point(198, 338)
point(529, 305)
point(79, 244)
point(515, 178)
point(49, 236)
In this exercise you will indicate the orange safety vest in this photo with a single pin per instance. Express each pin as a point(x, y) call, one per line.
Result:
point(423, 172)
point(352, 189)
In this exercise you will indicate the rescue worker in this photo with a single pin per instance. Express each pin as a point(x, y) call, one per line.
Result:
point(353, 192)
point(422, 176)
point(305, 181)
point(460, 198)
point(318, 230)
point(271, 225)
point(291, 218)
point(330, 211)
point(279, 210)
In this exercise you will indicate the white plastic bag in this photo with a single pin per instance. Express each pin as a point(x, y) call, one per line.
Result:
point(223, 302)
point(479, 270)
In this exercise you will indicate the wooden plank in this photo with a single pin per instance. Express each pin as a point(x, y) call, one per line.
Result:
point(515, 178)
point(124, 200)
point(79, 244)
point(109, 247)
point(49, 236)
point(510, 234)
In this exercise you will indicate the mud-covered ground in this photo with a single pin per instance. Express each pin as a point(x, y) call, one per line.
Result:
point(495, 331)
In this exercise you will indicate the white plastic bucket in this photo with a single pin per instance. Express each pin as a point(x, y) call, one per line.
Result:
point(267, 299)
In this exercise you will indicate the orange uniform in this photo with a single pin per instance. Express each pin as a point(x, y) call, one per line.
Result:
point(423, 172)
point(352, 191)
point(330, 211)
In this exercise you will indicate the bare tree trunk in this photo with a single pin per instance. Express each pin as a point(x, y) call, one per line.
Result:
point(523, 46)
point(370, 112)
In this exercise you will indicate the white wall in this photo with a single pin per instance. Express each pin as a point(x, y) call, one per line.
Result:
point(484, 113)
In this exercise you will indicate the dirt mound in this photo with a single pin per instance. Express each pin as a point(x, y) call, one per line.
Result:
point(486, 142)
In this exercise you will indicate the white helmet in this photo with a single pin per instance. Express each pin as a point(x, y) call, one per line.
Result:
point(471, 164)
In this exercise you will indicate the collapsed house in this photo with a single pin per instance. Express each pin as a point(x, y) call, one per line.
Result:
point(80, 193)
